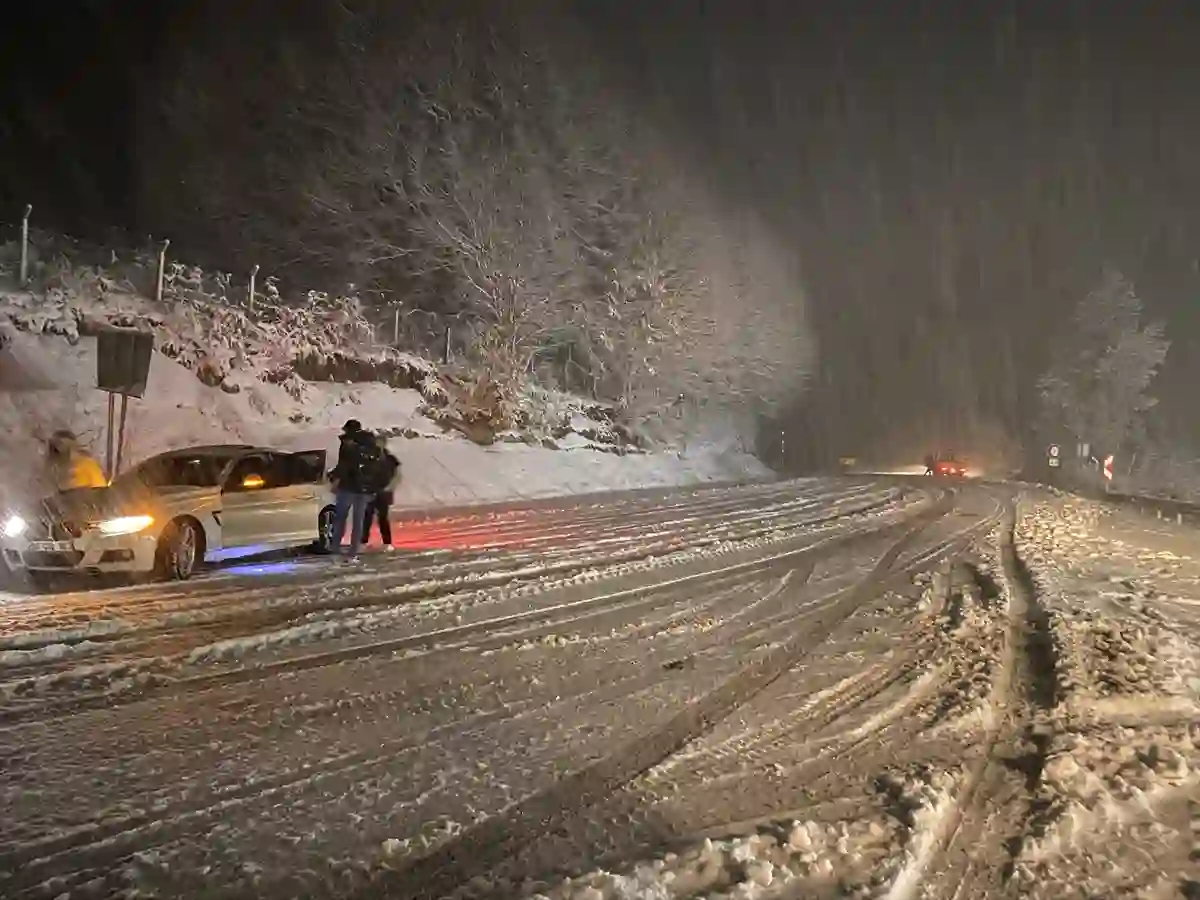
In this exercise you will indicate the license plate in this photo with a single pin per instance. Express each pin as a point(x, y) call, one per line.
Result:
point(51, 546)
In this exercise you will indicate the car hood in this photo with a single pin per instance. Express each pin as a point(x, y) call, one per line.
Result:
point(91, 505)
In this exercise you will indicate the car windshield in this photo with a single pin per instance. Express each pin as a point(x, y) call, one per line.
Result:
point(180, 470)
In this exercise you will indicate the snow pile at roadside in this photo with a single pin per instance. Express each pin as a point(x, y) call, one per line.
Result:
point(763, 864)
point(1102, 786)
point(1125, 754)
point(1117, 651)
point(858, 857)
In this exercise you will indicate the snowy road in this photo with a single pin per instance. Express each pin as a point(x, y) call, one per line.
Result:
point(544, 693)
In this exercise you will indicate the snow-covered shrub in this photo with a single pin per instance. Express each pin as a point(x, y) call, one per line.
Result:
point(478, 406)
point(204, 321)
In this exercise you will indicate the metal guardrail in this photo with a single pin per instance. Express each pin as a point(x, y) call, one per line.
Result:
point(1166, 508)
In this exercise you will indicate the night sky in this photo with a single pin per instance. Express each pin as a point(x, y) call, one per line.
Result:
point(952, 175)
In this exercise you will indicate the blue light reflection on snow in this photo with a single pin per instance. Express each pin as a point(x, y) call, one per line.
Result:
point(259, 568)
point(283, 567)
point(228, 553)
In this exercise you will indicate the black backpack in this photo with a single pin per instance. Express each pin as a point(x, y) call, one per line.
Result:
point(365, 457)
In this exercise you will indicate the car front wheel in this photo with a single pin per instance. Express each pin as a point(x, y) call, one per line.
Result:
point(180, 550)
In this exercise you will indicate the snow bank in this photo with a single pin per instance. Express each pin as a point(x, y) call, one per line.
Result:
point(50, 382)
point(1117, 650)
point(768, 863)
point(1126, 751)
point(871, 856)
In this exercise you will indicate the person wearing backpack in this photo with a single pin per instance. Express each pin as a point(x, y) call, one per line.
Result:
point(386, 480)
point(353, 477)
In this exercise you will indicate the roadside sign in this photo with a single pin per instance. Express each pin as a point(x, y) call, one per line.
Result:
point(1054, 462)
point(1108, 467)
point(1053, 451)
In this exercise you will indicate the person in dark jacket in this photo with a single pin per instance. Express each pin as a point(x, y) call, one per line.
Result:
point(387, 479)
point(353, 481)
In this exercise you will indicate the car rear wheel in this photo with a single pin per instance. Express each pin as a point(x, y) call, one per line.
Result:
point(180, 550)
point(325, 542)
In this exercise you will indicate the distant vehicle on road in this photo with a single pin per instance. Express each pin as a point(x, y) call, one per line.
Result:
point(946, 466)
point(174, 512)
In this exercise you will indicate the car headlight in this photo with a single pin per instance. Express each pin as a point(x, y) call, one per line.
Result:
point(15, 527)
point(124, 525)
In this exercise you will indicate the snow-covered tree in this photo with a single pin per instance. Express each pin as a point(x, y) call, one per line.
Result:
point(1098, 387)
point(477, 169)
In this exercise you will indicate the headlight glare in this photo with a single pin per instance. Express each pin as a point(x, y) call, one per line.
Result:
point(124, 525)
point(14, 526)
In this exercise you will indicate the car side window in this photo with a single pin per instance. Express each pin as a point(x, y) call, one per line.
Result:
point(252, 473)
point(304, 468)
point(279, 470)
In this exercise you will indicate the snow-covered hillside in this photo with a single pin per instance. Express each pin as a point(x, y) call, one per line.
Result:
point(289, 374)
point(48, 383)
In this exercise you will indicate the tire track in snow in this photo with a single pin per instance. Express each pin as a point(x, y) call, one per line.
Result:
point(969, 845)
point(386, 760)
point(246, 710)
point(16, 621)
point(758, 743)
point(631, 825)
point(191, 684)
point(103, 845)
point(181, 638)
point(679, 606)
point(733, 574)
point(486, 845)
point(93, 848)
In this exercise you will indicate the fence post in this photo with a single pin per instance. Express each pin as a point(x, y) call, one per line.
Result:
point(396, 328)
point(253, 275)
point(162, 269)
point(446, 348)
point(109, 465)
point(25, 245)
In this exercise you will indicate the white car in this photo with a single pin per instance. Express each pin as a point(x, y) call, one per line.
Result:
point(175, 511)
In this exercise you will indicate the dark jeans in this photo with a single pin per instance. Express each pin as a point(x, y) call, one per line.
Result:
point(380, 507)
point(349, 507)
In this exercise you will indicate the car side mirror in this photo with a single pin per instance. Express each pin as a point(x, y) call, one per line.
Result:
point(252, 482)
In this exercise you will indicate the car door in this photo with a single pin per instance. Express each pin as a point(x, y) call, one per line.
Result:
point(302, 489)
point(250, 502)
